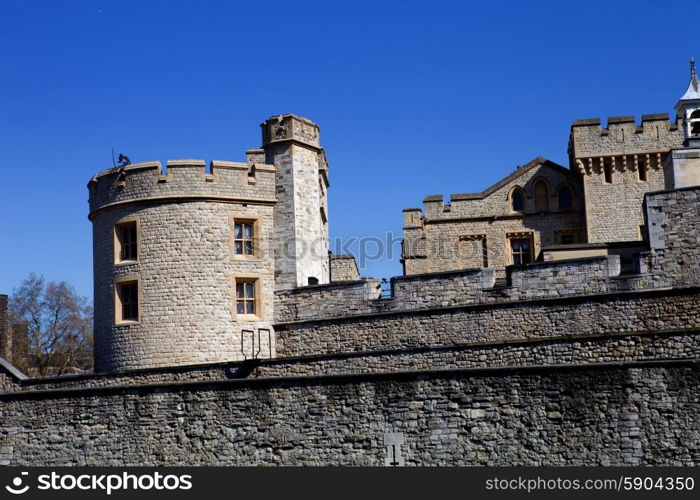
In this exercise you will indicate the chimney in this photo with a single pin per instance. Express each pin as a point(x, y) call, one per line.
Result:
point(5, 336)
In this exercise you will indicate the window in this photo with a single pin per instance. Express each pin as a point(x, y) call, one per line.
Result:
point(247, 296)
point(244, 237)
point(474, 251)
point(517, 200)
point(126, 241)
point(127, 301)
point(521, 249)
point(565, 198)
point(566, 236)
point(608, 172)
point(643, 232)
point(312, 280)
point(642, 171)
point(695, 123)
point(541, 196)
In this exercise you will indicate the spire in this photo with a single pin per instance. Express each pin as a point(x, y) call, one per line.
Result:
point(693, 91)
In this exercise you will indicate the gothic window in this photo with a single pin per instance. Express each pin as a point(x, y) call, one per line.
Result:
point(517, 200)
point(565, 198)
point(521, 249)
point(541, 196)
point(125, 241)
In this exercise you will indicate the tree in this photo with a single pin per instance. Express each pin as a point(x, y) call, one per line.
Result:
point(52, 328)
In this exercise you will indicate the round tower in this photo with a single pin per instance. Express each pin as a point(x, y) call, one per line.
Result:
point(183, 269)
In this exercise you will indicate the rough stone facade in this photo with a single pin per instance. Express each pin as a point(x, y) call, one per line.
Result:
point(629, 414)
point(474, 229)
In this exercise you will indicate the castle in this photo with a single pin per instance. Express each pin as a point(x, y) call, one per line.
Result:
point(549, 319)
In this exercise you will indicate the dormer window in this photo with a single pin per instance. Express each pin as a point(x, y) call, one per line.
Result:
point(517, 200)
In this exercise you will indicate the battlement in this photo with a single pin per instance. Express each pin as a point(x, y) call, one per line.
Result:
point(250, 182)
point(622, 135)
point(289, 127)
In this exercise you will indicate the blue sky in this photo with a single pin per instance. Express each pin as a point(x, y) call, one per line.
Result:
point(413, 98)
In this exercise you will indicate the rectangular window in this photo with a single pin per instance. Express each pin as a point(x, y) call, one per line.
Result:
point(244, 237)
point(521, 249)
point(608, 171)
point(642, 171)
point(127, 301)
point(246, 296)
point(126, 241)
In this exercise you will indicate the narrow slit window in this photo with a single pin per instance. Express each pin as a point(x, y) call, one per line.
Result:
point(642, 171)
point(608, 172)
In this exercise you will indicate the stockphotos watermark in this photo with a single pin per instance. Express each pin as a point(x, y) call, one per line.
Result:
point(99, 483)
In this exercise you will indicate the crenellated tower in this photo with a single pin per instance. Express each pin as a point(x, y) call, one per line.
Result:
point(291, 144)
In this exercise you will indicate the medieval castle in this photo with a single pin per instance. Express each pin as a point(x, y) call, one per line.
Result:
point(551, 319)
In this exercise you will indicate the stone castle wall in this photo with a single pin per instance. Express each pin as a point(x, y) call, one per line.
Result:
point(647, 413)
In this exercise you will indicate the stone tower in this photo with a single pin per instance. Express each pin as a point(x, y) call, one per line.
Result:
point(183, 263)
point(291, 144)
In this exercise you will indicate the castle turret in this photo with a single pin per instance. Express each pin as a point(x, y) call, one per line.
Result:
point(183, 264)
point(682, 165)
point(291, 143)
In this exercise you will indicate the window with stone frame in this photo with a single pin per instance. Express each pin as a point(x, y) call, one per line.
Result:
point(521, 248)
point(127, 301)
point(247, 296)
point(244, 237)
point(126, 241)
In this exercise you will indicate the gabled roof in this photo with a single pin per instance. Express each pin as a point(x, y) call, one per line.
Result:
point(540, 161)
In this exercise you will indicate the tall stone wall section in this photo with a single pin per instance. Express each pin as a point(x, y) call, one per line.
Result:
point(633, 414)
point(186, 263)
point(614, 209)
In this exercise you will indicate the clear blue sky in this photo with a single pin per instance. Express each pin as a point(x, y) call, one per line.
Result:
point(413, 98)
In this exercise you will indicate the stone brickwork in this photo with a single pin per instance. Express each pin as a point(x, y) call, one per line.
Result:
point(474, 230)
point(630, 414)
point(343, 268)
point(633, 157)
point(5, 334)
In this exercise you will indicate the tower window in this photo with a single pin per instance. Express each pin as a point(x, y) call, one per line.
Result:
point(127, 301)
point(517, 201)
point(695, 122)
point(541, 196)
point(608, 172)
point(247, 297)
point(244, 237)
point(565, 198)
point(126, 241)
point(642, 171)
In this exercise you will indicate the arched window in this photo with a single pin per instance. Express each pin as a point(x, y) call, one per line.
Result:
point(541, 196)
point(695, 122)
point(517, 200)
point(566, 198)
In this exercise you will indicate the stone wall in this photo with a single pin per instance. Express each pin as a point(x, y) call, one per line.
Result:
point(540, 318)
point(186, 269)
point(624, 414)
point(343, 268)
